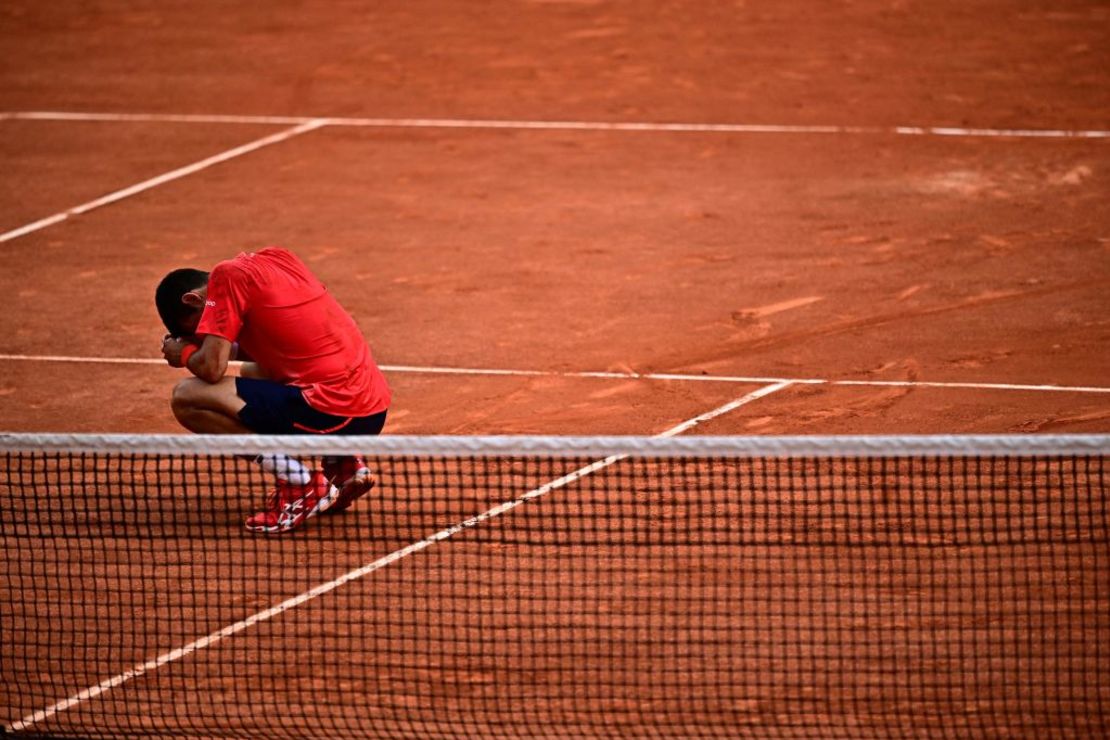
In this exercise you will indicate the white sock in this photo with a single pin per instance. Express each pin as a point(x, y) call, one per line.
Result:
point(285, 468)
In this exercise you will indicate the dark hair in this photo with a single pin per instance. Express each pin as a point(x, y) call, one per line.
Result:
point(168, 296)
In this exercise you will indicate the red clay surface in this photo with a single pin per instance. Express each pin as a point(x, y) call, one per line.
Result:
point(693, 253)
point(995, 63)
point(835, 256)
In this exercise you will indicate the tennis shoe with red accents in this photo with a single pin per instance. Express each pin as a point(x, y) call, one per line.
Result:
point(289, 505)
point(352, 478)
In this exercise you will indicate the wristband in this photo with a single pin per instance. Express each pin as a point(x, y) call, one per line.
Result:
point(187, 352)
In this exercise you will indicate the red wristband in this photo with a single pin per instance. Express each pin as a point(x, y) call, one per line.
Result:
point(188, 352)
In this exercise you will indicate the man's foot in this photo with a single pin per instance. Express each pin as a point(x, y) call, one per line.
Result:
point(351, 476)
point(289, 506)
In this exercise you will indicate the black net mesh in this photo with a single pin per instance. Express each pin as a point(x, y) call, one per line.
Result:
point(863, 596)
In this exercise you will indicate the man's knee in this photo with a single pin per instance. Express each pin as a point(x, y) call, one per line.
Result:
point(207, 407)
point(194, 393)
point(185, 396)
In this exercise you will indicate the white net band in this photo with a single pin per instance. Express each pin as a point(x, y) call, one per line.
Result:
point(566, 446)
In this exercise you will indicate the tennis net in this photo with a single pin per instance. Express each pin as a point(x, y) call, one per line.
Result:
point(560, 587)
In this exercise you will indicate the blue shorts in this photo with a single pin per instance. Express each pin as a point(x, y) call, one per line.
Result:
point(273, 408)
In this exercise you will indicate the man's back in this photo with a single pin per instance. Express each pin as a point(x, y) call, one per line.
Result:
point(285, 319)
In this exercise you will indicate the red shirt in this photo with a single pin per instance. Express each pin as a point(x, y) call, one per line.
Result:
point(285, 319)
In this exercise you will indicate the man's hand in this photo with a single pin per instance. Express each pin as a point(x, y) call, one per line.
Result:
point(172, 346)
point(213, 353)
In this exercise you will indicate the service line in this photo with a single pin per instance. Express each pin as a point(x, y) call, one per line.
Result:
point(267, 614)
point(614, 375)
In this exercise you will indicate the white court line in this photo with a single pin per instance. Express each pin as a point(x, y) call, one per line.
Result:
point(91, 360)
point(323, 588)
point(619, 376)
point(164, 178)
point(736, 379)
point(467, 123)
point(155, 118)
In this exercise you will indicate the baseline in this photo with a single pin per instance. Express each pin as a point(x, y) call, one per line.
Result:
point(323, 588)
point(732, 128)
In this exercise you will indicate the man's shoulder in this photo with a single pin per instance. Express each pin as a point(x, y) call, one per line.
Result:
point(249, 263)
point(271, 269)
point(274, 251)
point(267, 253)
point(230, 267)
point(271, 258)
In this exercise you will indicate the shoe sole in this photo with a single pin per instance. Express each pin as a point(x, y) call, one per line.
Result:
point(325, 503)
point(356, 486)
point(256, 529)
point(321, 506)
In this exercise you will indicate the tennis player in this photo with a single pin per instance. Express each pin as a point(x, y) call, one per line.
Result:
point(307, 370)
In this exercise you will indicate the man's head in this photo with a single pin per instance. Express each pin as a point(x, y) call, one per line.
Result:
point(180, 300)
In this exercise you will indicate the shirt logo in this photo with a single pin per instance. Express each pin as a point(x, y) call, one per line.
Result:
point(210, 303)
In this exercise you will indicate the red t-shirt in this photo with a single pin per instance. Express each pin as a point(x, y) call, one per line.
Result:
point(285, 319)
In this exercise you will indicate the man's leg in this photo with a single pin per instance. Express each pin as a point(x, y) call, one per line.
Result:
point(208, 408)
point(351, 475)
point(213, 408)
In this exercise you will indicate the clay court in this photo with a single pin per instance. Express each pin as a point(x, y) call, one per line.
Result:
point(571, 217)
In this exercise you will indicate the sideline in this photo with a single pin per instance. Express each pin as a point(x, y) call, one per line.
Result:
point(154, 182)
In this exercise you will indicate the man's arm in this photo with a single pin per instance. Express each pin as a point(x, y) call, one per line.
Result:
point(208, 361)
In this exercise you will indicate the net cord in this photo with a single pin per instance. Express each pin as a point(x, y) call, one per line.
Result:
point(566, 446)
